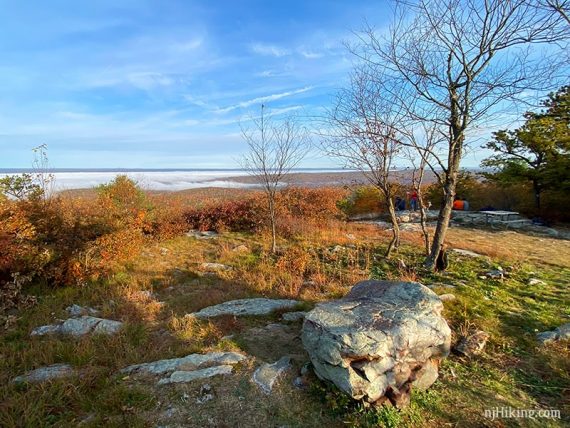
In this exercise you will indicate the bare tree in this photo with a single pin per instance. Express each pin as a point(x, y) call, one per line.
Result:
point(419, 150)
point(361, 131)
point(560, 6)
point(275, 148)
point(455, 63)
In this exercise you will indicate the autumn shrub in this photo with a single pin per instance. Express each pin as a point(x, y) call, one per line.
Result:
point(245, 215)
point(363, 200)
point(64, 241)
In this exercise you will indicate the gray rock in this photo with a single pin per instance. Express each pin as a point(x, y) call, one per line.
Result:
point(472, 344)
point(266, 375)
point(372, 343)
point(294, 316)
point(547, 337)
point(410, 227)
point(560, 333)
point(466, 253)
point(495, 274)
point(447, 297)
point(207, 234)
point(189, 376)
point(189, 362)
point(536, 281)
point(215, 267)
point(256, 306)
point(107, 327)
point(77, 311)
point(88, 324)
point(46, 329)
point(80, 327)
point(42, 374)
point(563, 331)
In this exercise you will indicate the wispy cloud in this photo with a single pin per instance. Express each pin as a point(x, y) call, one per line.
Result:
point(269, 50)
point(264, 99)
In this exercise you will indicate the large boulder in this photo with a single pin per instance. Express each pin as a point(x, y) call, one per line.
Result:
point(379, 341)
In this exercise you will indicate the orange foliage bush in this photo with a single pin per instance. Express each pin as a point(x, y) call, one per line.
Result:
point(68, 241)
point(295, 206)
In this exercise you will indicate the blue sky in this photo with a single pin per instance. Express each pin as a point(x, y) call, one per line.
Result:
point(164, 84)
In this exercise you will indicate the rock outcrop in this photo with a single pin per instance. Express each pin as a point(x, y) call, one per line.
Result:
point(379, 341)
point(80, 327)
point(43, 374)
point(256, 306)
point(189, 368)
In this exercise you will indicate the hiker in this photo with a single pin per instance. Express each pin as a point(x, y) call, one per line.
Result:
point(414, 200)
point(400, 204)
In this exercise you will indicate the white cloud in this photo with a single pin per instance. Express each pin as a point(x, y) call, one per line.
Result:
point(264, 99)
point(269, 50)
point(310, 54)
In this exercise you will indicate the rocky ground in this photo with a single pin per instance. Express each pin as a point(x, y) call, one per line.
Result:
point(169, 340)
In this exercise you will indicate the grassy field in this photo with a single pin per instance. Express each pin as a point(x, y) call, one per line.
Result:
point(513, 371)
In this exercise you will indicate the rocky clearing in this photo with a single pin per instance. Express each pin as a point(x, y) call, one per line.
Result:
point(244, 364)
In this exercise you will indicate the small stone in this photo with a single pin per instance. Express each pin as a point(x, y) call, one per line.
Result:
point(466, 253)
point(266, 375)
point(77, 311)
point(547, 337)
point(536, 281)
point(164, 251)
point(294, 316)
point(189, 376)
point(208, 234)
point(241, 249)
point(42, 374)
point(215, 267)
point(495, 274)
point(447, 297)
point(472, 344)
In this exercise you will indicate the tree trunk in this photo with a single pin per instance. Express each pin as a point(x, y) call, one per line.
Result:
point(458, 119)
point(447, 204)
point(395, 242)
point(272, 221)
point(423, 221)
point(537, 191)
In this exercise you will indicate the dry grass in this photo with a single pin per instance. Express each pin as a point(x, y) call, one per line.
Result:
point(320, 263)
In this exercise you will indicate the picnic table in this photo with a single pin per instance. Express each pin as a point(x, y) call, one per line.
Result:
point(500, 215)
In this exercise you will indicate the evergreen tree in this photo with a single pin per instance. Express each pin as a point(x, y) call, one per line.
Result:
point(538, 152)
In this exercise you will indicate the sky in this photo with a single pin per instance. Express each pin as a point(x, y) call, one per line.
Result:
point(167, 84)
point(164, 84)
